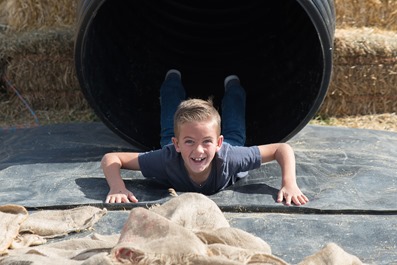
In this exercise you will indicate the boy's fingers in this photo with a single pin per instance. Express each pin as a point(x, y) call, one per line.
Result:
point(132, 197)
point(300, 199)
point(304, 199)
point(296, 200)
point(116, 199)
point(123, 198)
point(288, 200)
point(280, 196)
point(110, 199)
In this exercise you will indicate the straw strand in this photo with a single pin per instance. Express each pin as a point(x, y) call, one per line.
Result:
point(10, 85)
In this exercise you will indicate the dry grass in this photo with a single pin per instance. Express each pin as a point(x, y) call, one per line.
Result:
point(384, 122)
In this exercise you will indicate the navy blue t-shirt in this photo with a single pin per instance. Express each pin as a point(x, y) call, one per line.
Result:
point(166, 166)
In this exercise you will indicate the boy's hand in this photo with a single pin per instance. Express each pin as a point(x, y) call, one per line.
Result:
point(292, 193)
point(120, 196)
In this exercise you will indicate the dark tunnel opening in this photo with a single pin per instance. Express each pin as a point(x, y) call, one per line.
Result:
point(124, 49)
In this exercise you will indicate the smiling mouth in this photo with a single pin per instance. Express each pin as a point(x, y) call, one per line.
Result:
point(198, 159)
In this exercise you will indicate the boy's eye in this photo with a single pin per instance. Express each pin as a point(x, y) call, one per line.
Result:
point(189, 142)
point(208, 141)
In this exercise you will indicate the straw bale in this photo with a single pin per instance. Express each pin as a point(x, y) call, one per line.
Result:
point(38, 73)
point(361, 90)
point(3, 18)
point(54, 100)
point(49, 108)
point(40, 65)
point(50, 41)
point(39, 60)
point(14, 114)
point(25, 15)
point(366, 13)
point(364, 46)
point(364, 73)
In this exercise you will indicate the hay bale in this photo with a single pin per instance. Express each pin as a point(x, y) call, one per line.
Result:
point(3, 18)
point(40, 65)
point(365, 46)
point(366, 13)
point(24, 15)
point(40, 60)
point(364, 75)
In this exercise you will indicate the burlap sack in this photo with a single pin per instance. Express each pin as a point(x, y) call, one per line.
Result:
point(331, 254)
point(149, 236)
point(11, 217)
point(55, 223)
point(26, 240)
point(243, 255)
point(89, 250)
point(18, 229)
point(193, 211)
point(234, 237)
point(188, 229)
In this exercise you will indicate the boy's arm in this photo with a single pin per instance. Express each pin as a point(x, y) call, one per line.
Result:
point(284, 155)
point(111, 164)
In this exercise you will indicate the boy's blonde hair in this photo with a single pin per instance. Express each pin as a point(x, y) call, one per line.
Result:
point(193, 110)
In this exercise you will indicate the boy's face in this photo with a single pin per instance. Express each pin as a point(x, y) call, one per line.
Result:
point(198, 142)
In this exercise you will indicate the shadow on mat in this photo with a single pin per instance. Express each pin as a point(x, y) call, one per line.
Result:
point(147, 190)
point(143, 189)
point(258, 188)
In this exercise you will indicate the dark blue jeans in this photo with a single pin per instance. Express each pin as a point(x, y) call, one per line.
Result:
point(172, 93)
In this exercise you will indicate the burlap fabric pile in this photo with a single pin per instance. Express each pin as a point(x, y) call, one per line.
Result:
point(188, 229)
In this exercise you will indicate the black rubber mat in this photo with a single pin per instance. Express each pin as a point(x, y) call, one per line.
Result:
point(349, 176)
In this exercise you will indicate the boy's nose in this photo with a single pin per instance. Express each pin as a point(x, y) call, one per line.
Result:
point(199, 148)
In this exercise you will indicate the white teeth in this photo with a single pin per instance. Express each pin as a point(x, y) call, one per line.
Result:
point(198, 159)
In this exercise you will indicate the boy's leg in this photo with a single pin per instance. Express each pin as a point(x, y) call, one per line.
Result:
point(233, 112)
point(171, 94)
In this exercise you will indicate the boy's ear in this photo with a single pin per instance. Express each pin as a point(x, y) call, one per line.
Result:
point(176, 144)
point(220, 141)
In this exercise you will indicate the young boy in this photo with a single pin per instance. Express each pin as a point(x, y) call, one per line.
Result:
point(195, 156)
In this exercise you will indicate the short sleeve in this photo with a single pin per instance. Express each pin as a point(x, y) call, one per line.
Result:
point(244, 158)
point(152, 165)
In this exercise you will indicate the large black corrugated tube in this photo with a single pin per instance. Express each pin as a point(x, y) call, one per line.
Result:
point(281, 50)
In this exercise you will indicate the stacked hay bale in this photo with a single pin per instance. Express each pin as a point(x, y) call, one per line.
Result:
point(365, 59)
point(36, 59)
